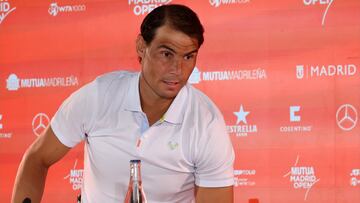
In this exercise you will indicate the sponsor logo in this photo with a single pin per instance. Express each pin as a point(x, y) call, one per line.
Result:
point(75, 177)
point(302, 177)
point(173, 145)
point(3, 135)
point(5, 9)
point(14, 83)
point(217, 3)
point(195, 76)
point(55, 9)
point(143, 7)
point(299, 71)
point(242, 177)
point(355, 177)
point(39, 123)
point(313, 71)
point(295, 118)
point(346, 117)
point(320, 2)
point(252, 74)
point(242, 130)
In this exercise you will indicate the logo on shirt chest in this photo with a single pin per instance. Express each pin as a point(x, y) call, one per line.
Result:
point(173, 145)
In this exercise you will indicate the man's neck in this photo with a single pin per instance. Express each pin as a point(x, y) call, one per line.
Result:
point(152, 104)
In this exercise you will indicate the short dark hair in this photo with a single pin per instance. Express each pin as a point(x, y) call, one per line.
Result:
point(179, 17)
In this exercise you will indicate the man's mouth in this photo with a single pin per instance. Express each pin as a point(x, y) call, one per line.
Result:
point(171, 83)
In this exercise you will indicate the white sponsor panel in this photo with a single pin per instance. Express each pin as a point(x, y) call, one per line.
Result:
point(3, 134)
point(217, 3)
point(302, 177)
point(5, 9)
point(242, 127)
point(14, 83)
point(321, 71)
point(242, 177)
point(250, 74)
point(295, 117)
point(55, 9)
point(143, 7)
point(355, 177)
point(75, 177)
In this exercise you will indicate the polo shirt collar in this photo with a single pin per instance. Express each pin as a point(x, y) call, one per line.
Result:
point(175, 113)
point(132, 99)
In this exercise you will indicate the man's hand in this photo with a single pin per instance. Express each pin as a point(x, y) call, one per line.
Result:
point(214, 195)
point(30, 179)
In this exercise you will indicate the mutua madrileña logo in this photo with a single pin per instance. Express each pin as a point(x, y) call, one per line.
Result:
point(14, 83)
point(143, 7)
point(5, 9)
point(225, 75)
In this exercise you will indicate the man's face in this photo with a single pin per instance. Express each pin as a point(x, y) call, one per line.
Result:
point(167, 61)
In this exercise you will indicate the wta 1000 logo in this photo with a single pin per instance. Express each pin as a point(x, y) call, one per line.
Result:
point(55, 9)
point(217, 3)
point(142, 7)
point(5, 9)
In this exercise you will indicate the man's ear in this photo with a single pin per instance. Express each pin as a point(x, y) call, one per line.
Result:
point(140, 46)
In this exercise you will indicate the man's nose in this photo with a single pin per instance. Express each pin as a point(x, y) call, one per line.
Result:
point(177, 66)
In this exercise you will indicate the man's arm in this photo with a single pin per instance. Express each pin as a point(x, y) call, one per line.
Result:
point(214, 195)
point(31, 175)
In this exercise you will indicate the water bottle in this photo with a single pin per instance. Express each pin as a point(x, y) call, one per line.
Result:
point(135, 193)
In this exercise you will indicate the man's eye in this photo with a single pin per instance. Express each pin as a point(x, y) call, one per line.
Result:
point(188, 57)
point(166, 54)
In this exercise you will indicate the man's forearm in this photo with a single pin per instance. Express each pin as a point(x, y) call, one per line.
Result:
point(214, 195)
point(30, 180)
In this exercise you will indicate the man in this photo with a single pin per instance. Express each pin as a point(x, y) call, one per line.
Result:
point(154, 115)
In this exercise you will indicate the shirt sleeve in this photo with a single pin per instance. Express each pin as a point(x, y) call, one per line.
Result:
point(215, 158)
point(74, 117)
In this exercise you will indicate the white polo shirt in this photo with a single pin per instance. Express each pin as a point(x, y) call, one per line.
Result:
point(188, 145)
